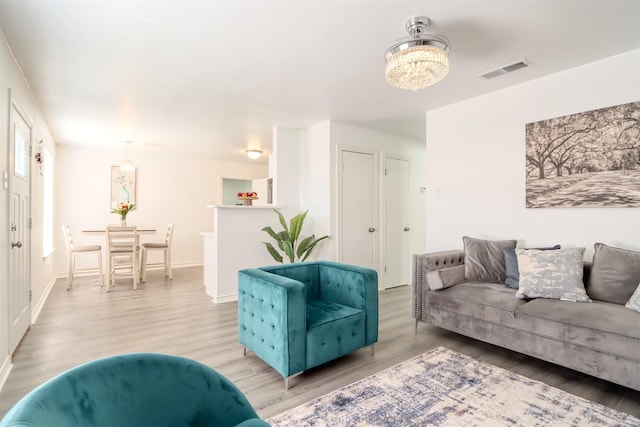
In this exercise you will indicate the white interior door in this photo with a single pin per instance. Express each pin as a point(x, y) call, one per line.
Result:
point(396, 222)
point(358, 236)
point(19, 207)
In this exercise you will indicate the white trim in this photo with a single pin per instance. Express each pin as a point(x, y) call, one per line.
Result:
point(5, 370)
point(37, 308)
point(48, 254)
point(225, 298)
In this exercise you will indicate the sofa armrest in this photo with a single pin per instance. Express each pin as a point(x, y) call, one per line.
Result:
point(422, 265)
point(272, 319)
point(353, 286)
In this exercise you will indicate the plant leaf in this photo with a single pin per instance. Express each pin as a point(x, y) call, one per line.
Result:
point(288, 249)
point(274, 253)
point(304, 244)
point(283, 222)
point(271, 233)
point(283, 237)
point(307, 252)
point(296, 226)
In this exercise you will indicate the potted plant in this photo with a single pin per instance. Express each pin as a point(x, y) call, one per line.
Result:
point(289, 242)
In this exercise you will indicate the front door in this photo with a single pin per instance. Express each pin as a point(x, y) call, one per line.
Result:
point(19, 233)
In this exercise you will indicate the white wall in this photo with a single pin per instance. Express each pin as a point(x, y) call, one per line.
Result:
point(171, 188)
point(476, 162)
point(285, 168)
point(11, 78)
point(316, 187)
point(391, 145)
point(313, 152)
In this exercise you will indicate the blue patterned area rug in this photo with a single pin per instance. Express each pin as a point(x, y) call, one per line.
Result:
point(445, 388)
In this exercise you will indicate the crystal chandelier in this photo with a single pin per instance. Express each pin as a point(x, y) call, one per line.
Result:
point(419, 60)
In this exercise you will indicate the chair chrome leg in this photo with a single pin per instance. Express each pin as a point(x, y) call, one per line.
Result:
point(244, 351)
point(286, 383)
point(416, 326)
point(373, 348)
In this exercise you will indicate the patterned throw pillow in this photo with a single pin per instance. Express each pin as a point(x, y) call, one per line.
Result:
point(634, 302)
point(551, 274)
point(511, 263)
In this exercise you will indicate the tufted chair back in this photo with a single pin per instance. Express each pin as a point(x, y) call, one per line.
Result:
point(139, 389)
point(306, 273)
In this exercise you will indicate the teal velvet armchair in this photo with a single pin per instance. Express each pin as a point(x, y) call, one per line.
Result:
point(298, 316)
point(135, 390)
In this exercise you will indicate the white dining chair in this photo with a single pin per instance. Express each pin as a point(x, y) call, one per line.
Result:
point(123, 254)
point(73, 251)
point(165, 247)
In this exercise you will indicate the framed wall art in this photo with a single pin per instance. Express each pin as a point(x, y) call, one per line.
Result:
point(590, 159)
point(123, 186)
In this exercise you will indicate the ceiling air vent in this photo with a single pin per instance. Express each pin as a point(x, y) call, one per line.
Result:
point(509, 68)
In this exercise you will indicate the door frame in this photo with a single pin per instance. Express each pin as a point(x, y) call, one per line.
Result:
point(376, 200)
point(383, 213)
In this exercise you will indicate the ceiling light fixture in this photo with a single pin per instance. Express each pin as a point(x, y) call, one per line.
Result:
point(419, 60)
point(254, 154)
point(127, 164)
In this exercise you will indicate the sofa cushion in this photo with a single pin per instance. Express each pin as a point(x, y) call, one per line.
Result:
point(333, 330)
point(634, 301)
point(601, 325)
point(511, 265)
point(551, 274)
point(615, 274)
point(490, 302)
point(484, 259)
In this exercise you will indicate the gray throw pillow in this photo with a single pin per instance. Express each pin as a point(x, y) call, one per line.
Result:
point(484, 259)
point(615, 274)
point(511, 265)
point(634, 302)
point(551, 274)
point(445, 277)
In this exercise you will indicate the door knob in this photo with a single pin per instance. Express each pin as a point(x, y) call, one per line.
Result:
point(406, 229)
point(371, 229)
point(16, 245)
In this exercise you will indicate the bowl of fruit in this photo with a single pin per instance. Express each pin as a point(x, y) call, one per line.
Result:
point(248, 197)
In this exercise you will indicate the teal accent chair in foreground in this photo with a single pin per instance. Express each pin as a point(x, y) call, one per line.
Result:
point(135, 390)
point(298, 316)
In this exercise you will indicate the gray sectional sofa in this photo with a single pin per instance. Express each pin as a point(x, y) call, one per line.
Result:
point(600, 336)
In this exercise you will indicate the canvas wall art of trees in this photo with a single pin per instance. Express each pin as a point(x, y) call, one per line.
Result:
point(590, 159)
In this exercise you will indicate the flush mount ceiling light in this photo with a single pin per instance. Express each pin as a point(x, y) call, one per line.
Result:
point(419, 60)
point(127, 164)
point(254, 154)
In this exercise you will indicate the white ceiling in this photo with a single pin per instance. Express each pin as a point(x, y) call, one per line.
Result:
point(215, 77)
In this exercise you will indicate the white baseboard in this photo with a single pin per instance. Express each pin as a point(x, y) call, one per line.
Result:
point(220, 299)
point(5, 369)
point(37, 308)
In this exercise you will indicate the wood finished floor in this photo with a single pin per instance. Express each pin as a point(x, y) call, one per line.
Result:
point(177, 317)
